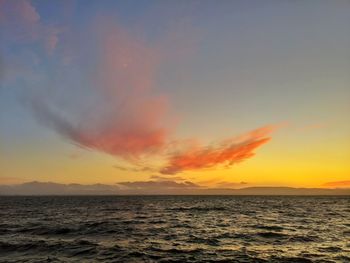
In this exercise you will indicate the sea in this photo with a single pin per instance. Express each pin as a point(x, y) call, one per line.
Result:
point(175, 229)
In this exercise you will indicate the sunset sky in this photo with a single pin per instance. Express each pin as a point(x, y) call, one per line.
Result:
point(222, 94)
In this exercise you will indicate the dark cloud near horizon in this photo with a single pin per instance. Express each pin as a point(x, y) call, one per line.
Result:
point(224, 184)
point(167, 178)
point(136, 169)
point(148, 188)
point(158, 185)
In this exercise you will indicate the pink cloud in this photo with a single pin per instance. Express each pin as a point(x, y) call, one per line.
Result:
point(26, 12)
point(20, 22)
point(131, 118)
point(51, 40)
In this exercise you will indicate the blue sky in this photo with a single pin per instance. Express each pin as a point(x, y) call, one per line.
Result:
point(225, 67)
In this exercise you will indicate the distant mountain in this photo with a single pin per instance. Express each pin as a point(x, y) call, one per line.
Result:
point(155, 188)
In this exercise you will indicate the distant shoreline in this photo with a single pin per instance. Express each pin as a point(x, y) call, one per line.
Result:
point(172, 195)
point(56, 189)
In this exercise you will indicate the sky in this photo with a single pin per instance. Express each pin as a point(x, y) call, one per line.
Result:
point(216, 94)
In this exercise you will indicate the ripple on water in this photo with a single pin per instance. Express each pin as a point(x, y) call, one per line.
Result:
point(174, 229)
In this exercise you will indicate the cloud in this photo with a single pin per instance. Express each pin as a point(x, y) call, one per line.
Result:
point(21, 23)
point(5, 180)
point(224, 184)
point(154, 188)
point(166, 178)
point(338, 184)
point(118, 111)
point(312, 127)
point(20, 19)
point(228, 152)
point(134, 168)
point(49, 188)
point(108, 99)
point(217, 182)
point(51, 39)
point(158, 185)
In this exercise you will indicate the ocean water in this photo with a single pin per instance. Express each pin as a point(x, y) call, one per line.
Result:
point(175, 229)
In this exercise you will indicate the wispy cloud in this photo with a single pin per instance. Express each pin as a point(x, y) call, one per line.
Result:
point(339, 184)
point(49, 188)
point(224, 184)
point(20, 22)
point(115, 106)
point(312, 127)
point(158, 185)
point(167, 178)
point(134, 168)
point(4, 180)
point(228, 152)
point(126, 117)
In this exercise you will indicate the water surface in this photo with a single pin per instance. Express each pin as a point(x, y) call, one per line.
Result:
point(175, 229)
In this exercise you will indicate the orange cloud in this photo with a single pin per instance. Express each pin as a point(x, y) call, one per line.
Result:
point(227, 152)
point(337, 184)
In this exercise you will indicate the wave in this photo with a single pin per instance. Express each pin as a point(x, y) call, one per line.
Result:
point(173, 229)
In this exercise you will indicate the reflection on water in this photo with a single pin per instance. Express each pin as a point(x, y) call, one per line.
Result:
point(175, 229)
